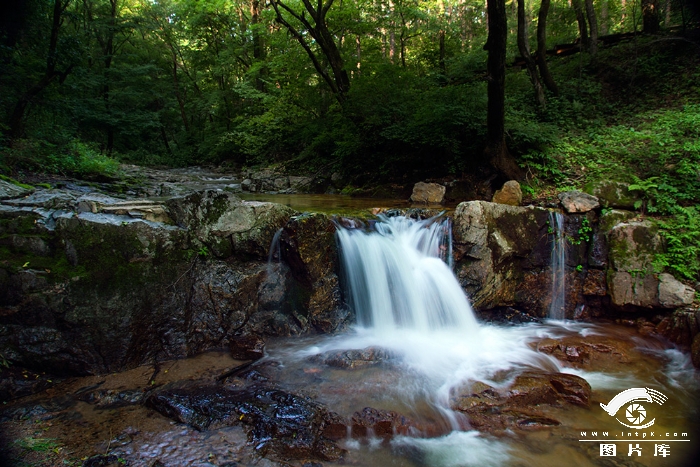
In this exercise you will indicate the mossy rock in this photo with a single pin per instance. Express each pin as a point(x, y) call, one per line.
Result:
point(612, 194)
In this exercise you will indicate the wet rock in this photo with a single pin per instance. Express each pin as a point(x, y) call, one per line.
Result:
point(595, 283)
point(578, 202)
point(112, 398)
point(352, 359)
point(17, 382)
point(247, 347)
point(510, 194)
point(226, 223)
point(695, 351)
point(428, 193)
point(280, 424)
point(10, 190)
point(673, 293)
point(612, 194)
point(308, 245)
point(102, 460)
point(681, 327)
point(380, 423)
point(518, 407)
point(549, 388)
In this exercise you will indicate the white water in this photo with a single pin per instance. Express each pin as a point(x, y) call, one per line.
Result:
point(409, 302)
point(557, 307)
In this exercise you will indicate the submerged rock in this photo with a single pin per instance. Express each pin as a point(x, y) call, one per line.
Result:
point(280, 424)
point(518, 406)
point(352, 359)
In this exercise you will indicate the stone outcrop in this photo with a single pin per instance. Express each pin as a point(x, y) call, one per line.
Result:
point(428, 193)
point(492, 241)
point(90, 292)
point(510, 194)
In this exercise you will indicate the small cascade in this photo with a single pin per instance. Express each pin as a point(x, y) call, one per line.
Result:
point(557, 307)
point(275, 255)
point(398, 277)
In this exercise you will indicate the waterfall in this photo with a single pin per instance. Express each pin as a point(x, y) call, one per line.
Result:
point(557, 307)
point(397, 276)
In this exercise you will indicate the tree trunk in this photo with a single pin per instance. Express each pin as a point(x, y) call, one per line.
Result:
point(593, 26)
point(524, 48)
point(582, 26)
point(496, 150)
point(17, 118)
point(650, 16)
point(258, 44)
point(542, 48)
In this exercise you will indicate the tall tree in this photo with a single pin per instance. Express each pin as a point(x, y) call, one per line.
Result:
point(593, 27)
point(318, 29)
point(51, 71)
point(581, 20)
point(496, 150)
point(542, 48)
point(524, 48)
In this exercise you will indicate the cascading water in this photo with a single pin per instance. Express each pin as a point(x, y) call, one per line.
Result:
point(397, 278)
point(557, 307)
point(409, 304)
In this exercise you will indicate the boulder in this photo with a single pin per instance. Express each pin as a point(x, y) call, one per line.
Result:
point(428, 193)
point(638, 289)
point(510, 194)
point(577, 202)
point(380, 423)
point(308, 245)
point(673, 293)
point(612, 194)
point(633, 246)
point(226, 224)
point(46, 199)
point(492, 243)
point(352, 359)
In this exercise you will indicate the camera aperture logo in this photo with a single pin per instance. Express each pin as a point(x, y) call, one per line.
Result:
point(632, 401)
point(633, 408)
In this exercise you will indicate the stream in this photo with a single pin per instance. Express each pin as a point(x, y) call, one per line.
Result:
point(457, 392)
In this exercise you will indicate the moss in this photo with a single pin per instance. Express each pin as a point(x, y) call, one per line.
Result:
point(16, 183)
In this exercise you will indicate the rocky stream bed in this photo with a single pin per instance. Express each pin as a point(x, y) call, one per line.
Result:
point(179, 324)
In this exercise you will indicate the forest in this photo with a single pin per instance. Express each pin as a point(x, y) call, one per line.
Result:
point(374, 91)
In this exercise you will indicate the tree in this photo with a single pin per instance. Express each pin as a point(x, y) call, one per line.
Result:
point(542, 48)
point(524, 48)
point(593, 26)
point(50, 71)
point(317, 28)
point(650, 16)
point(496, 150)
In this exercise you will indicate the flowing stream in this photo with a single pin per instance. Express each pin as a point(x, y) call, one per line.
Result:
point(409, 303)
point(413, 314)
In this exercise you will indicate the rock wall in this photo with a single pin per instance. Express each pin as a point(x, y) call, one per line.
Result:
point(84, 292)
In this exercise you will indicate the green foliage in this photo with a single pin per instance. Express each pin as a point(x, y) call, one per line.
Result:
point(584, 233)
point(682, 234)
